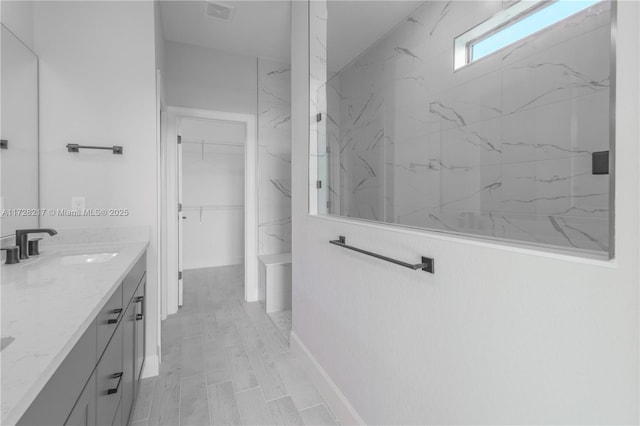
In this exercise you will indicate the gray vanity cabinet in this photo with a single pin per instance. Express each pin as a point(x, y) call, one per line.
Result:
point(84, 412)
point(97, 383)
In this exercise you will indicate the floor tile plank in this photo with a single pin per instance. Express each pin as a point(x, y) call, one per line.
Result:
point(267, 374)
point(143, 401)
point(253, 408)
point(318, 415)
point(284, 412)
point(242, 373)
point(194, 403)
point(192, 361)
point(298, 385)
point(223, 405)
point(165, 405)
point(216, 366)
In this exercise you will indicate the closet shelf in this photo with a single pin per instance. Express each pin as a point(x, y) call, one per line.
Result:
point(215, 207)
point(214, 142)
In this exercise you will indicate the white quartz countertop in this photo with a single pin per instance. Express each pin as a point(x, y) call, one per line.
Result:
point(48, 302)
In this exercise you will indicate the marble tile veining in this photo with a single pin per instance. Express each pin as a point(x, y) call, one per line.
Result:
point(274, 157)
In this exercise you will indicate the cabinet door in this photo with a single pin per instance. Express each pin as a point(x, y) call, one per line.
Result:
point(56, 400)
point(140, 299)
point(84, 412)
point(109, 381)
point(117, 420)
point(128, 360)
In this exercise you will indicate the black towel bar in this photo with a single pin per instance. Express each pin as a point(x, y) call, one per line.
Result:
point(427, 264)
point(74, 147)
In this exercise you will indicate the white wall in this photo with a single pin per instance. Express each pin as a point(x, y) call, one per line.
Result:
point(208, 79)
point(497, 334)
point(18, 17)
point(97, 87)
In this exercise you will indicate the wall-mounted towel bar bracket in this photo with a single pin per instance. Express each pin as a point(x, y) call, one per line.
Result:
point(427, 264)
point(74, 147)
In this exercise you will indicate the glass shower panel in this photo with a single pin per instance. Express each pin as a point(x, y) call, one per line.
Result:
point(502, 148)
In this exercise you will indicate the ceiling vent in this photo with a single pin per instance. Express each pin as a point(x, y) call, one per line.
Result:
point(220, 11)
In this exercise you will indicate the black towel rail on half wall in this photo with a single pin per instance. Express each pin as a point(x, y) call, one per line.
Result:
point(74, 147)
point(427, 264)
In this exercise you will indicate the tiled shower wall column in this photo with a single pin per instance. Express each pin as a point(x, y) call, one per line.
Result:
point(274, 157)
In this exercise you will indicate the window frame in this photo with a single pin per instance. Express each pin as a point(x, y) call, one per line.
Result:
point(463, 44)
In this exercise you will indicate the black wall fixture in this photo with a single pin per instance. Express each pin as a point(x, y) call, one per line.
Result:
point(74, 147)
point(427, 264)
point(600, 163)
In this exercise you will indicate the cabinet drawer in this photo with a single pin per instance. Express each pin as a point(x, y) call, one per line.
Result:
point(108, 319)
point(109, 381)
point(54, 403)
point(133, 278)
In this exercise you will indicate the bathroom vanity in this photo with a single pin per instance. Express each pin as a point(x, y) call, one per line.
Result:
point(74, 319)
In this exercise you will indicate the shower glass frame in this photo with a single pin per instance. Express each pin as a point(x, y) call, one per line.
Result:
point(317, 191)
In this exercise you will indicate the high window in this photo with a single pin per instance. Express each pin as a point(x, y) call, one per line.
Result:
point(515, 23)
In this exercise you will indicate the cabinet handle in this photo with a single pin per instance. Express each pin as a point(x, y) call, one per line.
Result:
point(115, 311)
point(115, 390)
point(140, 299)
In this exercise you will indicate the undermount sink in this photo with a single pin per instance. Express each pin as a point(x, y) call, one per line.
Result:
point(81, 259)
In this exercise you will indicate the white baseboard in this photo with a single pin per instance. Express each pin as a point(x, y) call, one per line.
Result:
point(339, 404)
point(151, 366)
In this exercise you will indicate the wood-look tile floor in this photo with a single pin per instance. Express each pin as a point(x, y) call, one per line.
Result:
point(226, 362)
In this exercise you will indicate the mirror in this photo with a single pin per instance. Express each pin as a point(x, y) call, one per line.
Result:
point(424, 119)
point(19, 132)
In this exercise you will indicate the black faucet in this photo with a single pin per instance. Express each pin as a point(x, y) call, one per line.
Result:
point(21, 239)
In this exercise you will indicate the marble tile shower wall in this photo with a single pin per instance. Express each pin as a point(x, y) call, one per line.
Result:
point(500, 148)
point(274, 157)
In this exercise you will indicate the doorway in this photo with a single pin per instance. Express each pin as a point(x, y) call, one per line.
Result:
point(211, 203)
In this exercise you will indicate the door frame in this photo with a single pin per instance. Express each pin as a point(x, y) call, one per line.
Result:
point(169, 209)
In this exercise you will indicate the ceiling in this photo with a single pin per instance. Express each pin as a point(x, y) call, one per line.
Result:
point(258, 28)
point(353, 26)
point(262, 28)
